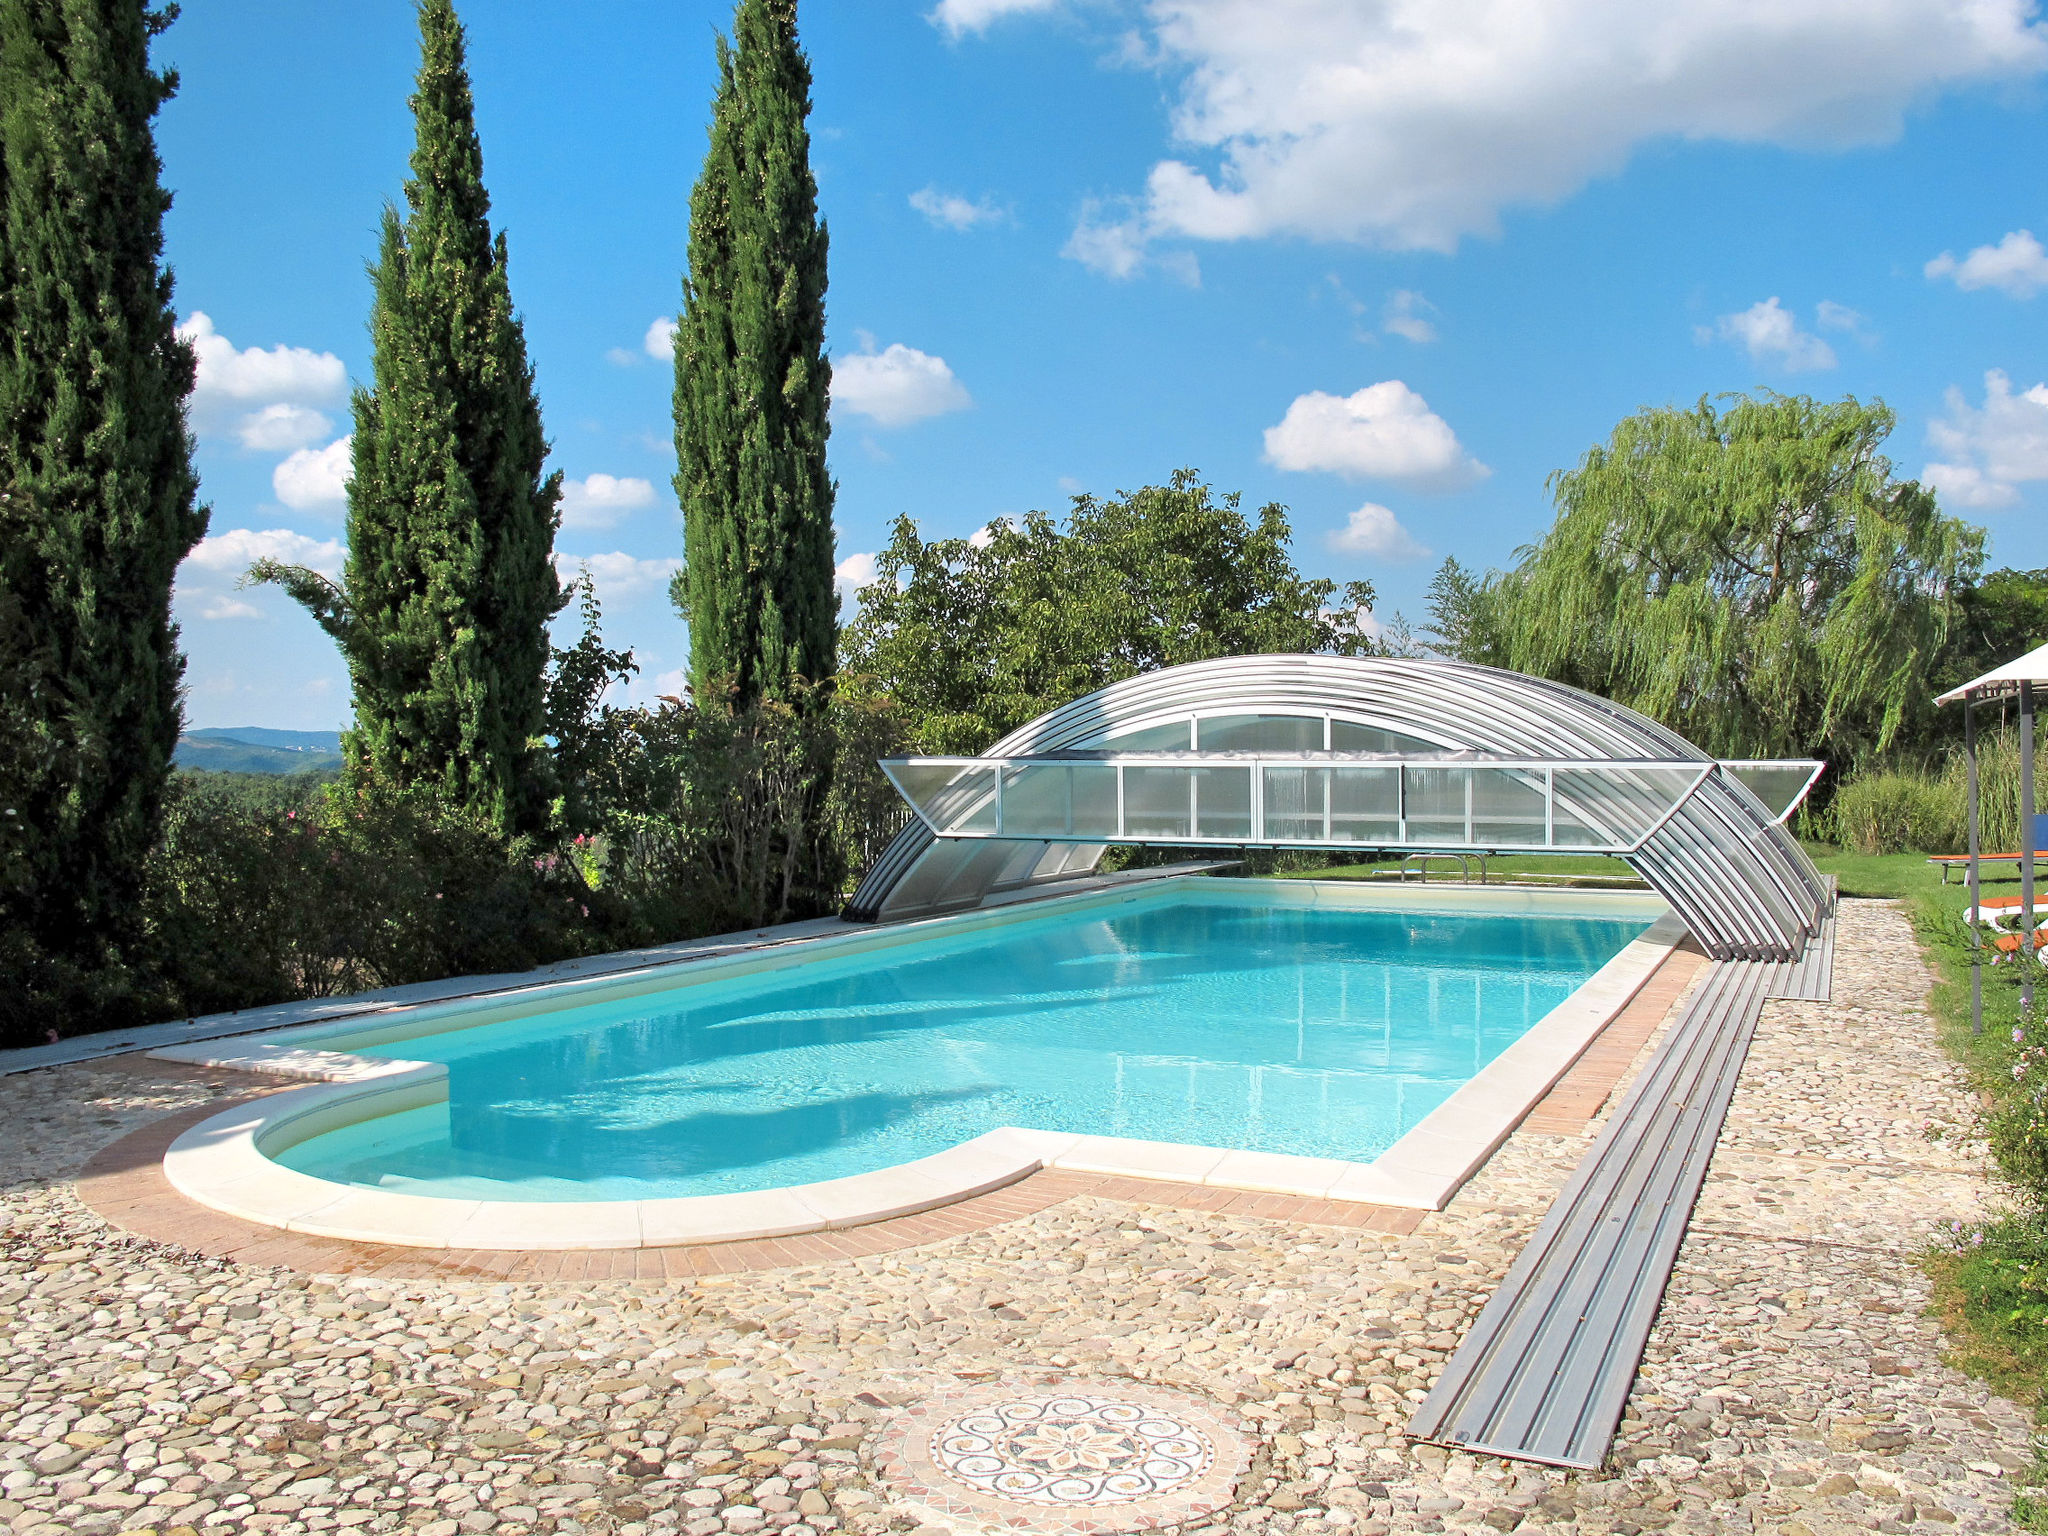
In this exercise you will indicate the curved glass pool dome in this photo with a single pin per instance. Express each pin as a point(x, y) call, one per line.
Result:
point(1366, 755)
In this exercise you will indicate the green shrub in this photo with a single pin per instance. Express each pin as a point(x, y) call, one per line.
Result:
point(251, 904)
point(1896, 811)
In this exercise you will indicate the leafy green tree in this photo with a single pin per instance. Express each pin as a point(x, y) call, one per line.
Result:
point(96, 498)
point(752, 383)
point(2003, 616)
point(1755, 577)
point(972, 638)
point(1457, 618)
point(442, 612)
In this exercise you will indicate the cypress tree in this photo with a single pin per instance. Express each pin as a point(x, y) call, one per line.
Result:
point(752, 382)
point(97, 493)
point(444, 603)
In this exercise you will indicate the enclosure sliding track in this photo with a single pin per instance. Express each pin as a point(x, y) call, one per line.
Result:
point(1810, 978)
point(1545, 1370)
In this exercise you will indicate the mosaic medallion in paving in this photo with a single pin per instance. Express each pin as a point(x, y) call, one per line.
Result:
point(1079, 1457)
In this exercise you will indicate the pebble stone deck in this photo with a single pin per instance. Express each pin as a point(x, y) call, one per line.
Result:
point(1792, 1384)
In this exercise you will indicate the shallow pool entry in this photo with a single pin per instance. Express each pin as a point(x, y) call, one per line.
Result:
point(1210, 1019)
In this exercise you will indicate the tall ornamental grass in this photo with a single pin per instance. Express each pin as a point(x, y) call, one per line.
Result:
point(1900, 810)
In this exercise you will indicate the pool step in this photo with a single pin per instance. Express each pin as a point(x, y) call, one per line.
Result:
point(1544, 1372)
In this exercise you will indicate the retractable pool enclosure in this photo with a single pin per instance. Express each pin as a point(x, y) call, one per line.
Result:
point(1366, 755)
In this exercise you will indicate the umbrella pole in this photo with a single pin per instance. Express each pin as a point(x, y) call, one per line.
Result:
point(1976, 893)
point(2028, 837)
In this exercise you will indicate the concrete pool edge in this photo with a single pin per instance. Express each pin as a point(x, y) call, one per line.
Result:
point(222, 1163)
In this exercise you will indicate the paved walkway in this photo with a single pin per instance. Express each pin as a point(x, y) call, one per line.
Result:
point(1792, 1384)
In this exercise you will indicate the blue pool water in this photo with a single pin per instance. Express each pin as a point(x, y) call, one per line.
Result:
point(1234, 1022)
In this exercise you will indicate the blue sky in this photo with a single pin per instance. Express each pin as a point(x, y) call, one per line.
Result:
point(1389, 264)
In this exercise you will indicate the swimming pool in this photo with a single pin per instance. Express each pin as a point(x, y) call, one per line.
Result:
point(1294, 1036)
point(1226, 1020)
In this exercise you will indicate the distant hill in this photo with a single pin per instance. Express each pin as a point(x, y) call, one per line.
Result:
point(259, 749)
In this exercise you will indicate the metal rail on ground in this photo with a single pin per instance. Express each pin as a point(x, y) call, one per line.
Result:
point(1810, 978)
point(1544, 1372)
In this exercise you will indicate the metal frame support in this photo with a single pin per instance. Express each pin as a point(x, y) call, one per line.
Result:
point(1976, 850)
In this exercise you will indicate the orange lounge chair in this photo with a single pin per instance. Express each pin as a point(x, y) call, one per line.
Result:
point(2008, 944)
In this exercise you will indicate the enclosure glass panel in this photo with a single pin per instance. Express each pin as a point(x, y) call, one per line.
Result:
point(1614, 807)
point(1059, 800)
point(1347, 736)
point(1507, 807)
point(1295, 801)
point(1575, 823)
point(1094, 799)
point(1780, 786)
point(1260, 733)
point(1365, 805)
point(1223, 802)
point(956, 799)
point(1436, 804)
point(1156, 802)
point(1173, 736)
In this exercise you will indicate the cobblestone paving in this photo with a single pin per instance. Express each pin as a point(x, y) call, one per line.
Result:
point(1792, 1383)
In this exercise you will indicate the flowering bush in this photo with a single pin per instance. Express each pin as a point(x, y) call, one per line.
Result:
point(2016, 1123)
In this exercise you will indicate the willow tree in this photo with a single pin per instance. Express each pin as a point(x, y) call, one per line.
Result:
point(443, 608)
point(97, 497)
point(752, 383)
point(1755, 577)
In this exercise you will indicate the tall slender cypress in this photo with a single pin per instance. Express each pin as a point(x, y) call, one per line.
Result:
point(97, 493)
point(752, 382)
point(443, 607)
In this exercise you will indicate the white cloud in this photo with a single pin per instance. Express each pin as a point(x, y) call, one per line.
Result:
point(233, 552)
point(1385, 431)
point(620, 577)
point(958, 16)
point(315, 479)
point(598, 501)
point(660, 341)
point(1113, 247)
point(1830, 316)
point(1118, 246)
point(225, 607)
point(2016, 265)
point(949, 210)
point(1990, 450)
point(280, 428)
point(853, 573)
point(1771, 335)
point(896, 386)
point(1407, 315)
point(1407, 125)
point(1374, 530)
point(236, 386)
